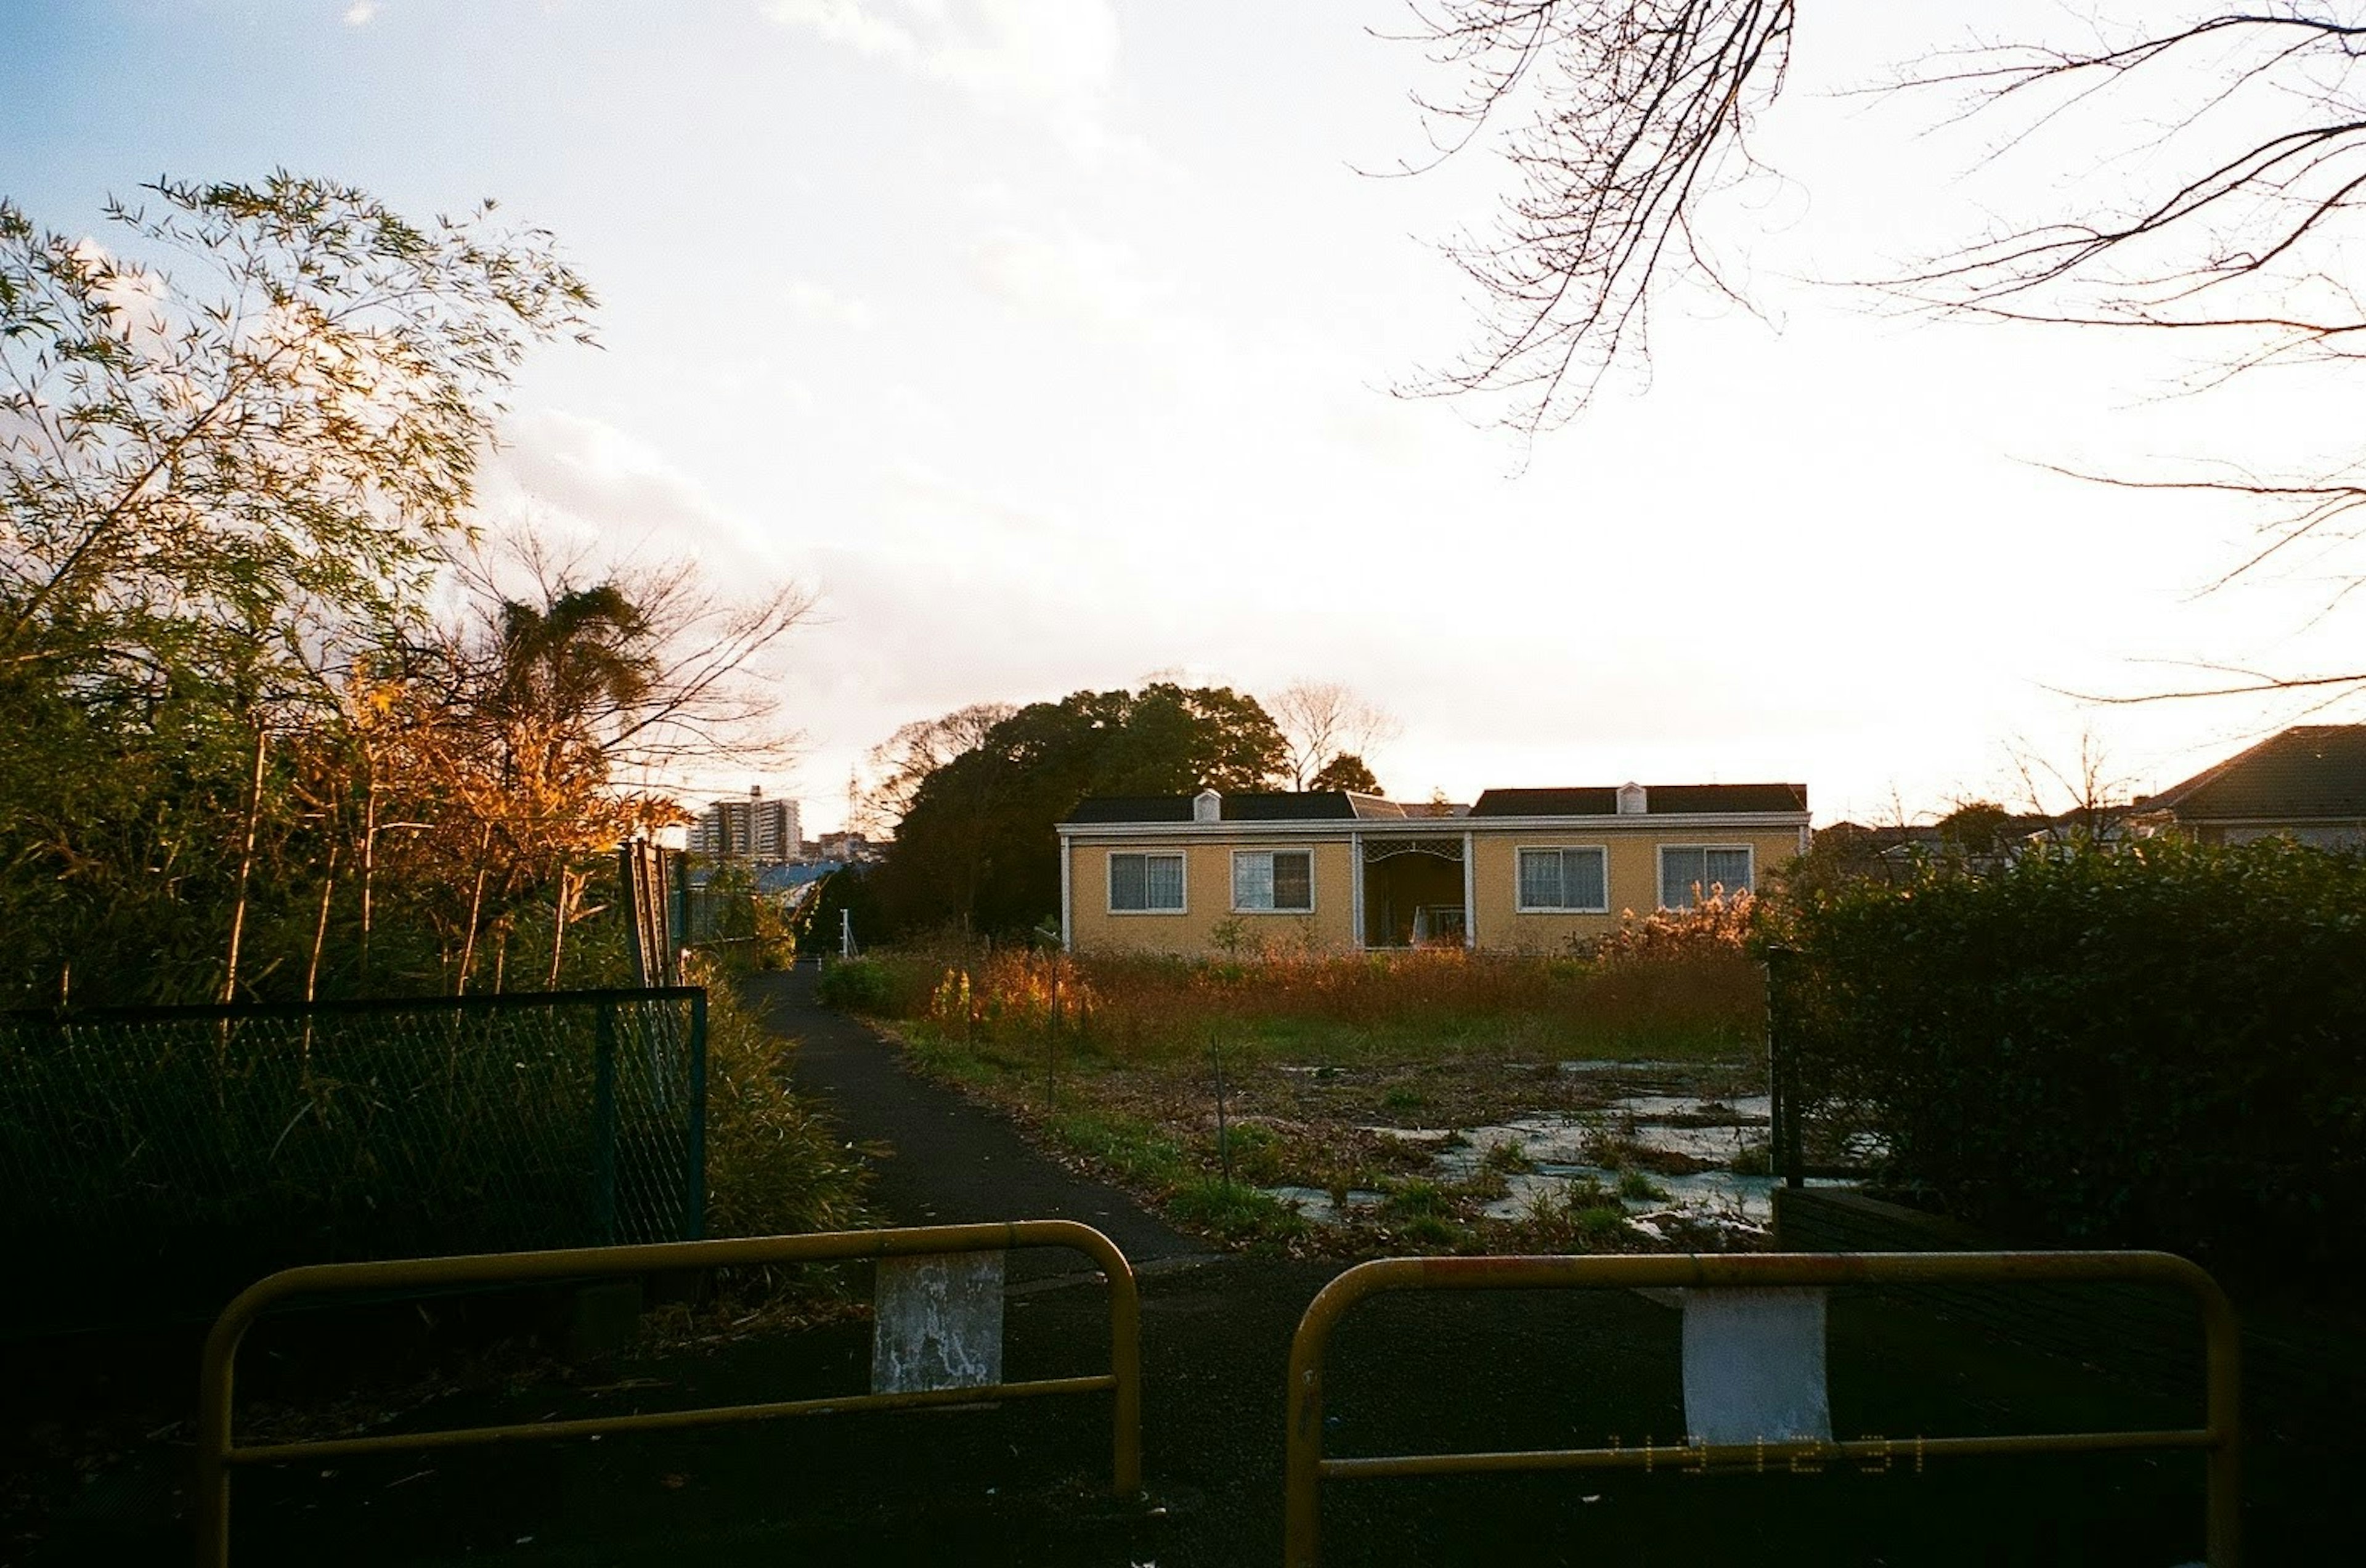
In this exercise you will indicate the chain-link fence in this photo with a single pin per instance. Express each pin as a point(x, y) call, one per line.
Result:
point(1825, 1123)
point(155, 1160)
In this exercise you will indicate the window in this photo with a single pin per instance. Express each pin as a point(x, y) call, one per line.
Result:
point(1145, 884)
point(1276, 880)
point(1563, 879)
point(1689, 873)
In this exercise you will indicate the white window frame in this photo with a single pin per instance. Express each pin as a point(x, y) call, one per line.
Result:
point(1240, 909)
point(1519, 908)
point(1183, 881)
point(1660, 862)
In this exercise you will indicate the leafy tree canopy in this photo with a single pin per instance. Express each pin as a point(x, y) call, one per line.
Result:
point(977, 845)
point(206, 468)
point(1347, 770)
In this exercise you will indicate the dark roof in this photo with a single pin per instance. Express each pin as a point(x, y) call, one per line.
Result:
point(1332, 806)
point(2310, 772)
point(1659, 800)
point(1313, 806)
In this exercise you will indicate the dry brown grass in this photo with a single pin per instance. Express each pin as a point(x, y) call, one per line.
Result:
point(1674, 994)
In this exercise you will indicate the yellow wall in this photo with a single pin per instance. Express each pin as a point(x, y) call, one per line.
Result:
point(1207, 901)
point(1633, 862)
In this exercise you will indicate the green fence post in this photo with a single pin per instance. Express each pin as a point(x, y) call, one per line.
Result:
point(604, 1128)
point(1785, 1154)
point(694, 1212)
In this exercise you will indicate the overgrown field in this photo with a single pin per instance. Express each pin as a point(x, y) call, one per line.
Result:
point(1201, 1083)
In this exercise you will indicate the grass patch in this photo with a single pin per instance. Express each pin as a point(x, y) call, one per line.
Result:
point(1138, 1152)
point(1637, 1187)
point(1234, 1212)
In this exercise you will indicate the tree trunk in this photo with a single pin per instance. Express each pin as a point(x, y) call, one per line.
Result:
point(369, 867)
point(558, 927)
point(475, 907)
point(321, 926)
point(245, 864)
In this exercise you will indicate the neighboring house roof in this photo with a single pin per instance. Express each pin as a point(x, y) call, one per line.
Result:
point(2311, 772)
point(1659, 800)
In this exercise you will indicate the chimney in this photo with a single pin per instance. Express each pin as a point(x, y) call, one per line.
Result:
point(1632, 801)
point(1207, 806)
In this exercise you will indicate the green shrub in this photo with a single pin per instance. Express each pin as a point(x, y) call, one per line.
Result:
point(859, 984)
point(2158, 1046)
point(773, 1167)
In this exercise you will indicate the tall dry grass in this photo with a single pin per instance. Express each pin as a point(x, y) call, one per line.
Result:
point(1673, 984)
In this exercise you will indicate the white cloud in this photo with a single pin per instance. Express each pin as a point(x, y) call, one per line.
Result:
point(1070, 273)
point(850, 22)
point(1050, 60)
point(361, 13)
point(583, 476)
point(817, 303)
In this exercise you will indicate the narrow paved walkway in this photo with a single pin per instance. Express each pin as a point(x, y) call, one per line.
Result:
point(951, 1162)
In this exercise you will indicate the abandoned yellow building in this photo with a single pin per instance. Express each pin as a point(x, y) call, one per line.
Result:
point(1517, 871)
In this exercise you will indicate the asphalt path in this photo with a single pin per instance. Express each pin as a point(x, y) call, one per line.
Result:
point(939, 1159)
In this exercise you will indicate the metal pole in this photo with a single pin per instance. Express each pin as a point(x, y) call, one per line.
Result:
point(217, 1453)
point(210, 1492)
point(1790, 1137)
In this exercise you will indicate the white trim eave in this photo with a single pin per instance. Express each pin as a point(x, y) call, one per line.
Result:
point(1336, 828)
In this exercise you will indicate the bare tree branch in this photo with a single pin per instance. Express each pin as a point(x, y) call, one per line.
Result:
point(1633, 112)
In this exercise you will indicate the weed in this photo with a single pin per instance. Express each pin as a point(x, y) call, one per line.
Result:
point(1259, 1156)
point(1138, 1152)
point(1638, 1187)
point(772, 1167)
point(1507, 1156)
point(1234, 1212)
point(1605, 1222)
point(1431, 1230)
point(1416, 1198)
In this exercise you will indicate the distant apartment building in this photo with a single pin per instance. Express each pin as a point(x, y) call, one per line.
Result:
point(846, 847)
point(763, 831)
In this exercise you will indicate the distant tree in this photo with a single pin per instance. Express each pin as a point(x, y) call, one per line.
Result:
point(521, 723)
point(976, 849)
point(1977, 828)
point(901, 763)
point(1347, 770)
point(1320, 720)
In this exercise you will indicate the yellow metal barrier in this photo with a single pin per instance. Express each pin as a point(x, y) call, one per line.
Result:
point(217, 1453)
point(1305, 1468)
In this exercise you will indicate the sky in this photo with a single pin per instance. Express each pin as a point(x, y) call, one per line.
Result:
point(1052, 345)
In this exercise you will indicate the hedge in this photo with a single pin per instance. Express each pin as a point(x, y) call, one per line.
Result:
point(2156, 1044)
